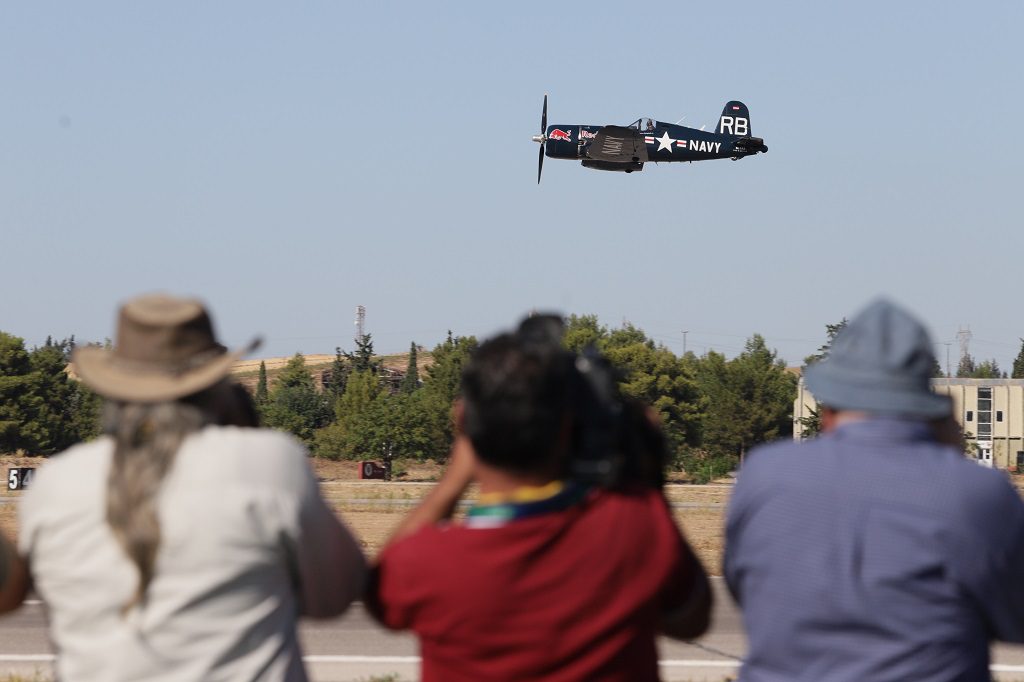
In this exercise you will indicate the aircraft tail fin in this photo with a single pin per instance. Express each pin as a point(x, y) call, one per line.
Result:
point(735, 119)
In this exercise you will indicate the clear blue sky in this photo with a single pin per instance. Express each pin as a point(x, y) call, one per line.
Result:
point(289, 161)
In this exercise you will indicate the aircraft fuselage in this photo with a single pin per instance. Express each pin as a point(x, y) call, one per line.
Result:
point(665, 142)
point(627, 148)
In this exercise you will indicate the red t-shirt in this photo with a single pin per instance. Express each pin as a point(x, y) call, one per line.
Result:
point(569, 595)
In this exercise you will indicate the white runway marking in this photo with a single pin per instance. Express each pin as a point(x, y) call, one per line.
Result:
point(678, 663)
point(361, 659)
point(668, 663)
point(49, 658)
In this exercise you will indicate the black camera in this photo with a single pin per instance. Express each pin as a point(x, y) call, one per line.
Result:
point(615, 442)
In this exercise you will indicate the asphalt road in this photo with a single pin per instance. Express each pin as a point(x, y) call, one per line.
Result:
point(353, 647)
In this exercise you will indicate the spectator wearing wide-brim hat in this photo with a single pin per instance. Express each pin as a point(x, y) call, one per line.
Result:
point(165, 349)
point(183, 543)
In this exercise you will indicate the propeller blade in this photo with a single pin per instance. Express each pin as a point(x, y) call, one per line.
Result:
point(541, 139)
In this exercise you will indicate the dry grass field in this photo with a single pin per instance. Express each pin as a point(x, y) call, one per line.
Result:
point(373, 514)
point(372, 509)
point(244, 368)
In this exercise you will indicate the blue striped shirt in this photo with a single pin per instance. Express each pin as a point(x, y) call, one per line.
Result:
point(874, 553)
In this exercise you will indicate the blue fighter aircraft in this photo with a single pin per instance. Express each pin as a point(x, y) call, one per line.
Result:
point(628, 148)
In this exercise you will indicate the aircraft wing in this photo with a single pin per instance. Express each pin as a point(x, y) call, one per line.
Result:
point(618, 144)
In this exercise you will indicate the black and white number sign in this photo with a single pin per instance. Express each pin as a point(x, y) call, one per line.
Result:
point(19, 478)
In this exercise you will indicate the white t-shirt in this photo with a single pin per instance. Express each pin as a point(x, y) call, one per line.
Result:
point(248, 544)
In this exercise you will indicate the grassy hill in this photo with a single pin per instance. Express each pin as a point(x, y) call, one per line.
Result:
point(246, 372)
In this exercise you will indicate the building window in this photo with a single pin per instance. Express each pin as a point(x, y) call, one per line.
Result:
point(999, 415)
point(970, 416)
point(984, 413)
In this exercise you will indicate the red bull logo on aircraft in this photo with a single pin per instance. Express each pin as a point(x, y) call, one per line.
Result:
point(559, 134)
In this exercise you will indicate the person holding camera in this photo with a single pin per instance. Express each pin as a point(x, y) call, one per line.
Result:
point(183, 544)
point(565, 568)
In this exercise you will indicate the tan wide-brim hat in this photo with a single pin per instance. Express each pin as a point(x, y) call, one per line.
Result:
point(165, 349)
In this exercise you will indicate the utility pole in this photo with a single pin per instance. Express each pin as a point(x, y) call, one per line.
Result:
point(685, 332)
point(947, 344)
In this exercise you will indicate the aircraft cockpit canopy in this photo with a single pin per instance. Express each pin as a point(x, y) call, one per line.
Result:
point(642, 124)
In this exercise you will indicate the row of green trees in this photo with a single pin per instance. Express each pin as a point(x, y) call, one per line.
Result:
point(42, 410)
point(714, 409)
point(360, 414)
point(967, 368)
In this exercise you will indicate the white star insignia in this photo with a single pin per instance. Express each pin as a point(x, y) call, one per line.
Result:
point(665, 142)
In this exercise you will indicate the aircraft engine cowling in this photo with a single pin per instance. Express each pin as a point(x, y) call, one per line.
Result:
point(561, 142)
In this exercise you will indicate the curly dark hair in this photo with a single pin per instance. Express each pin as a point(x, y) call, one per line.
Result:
point(515, 403)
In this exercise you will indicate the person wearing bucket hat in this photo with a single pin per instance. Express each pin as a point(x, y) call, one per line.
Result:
point(881, 363)
point(875, 551)
point(183, 543)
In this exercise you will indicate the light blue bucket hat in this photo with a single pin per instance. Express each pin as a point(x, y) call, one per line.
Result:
point(880, 362)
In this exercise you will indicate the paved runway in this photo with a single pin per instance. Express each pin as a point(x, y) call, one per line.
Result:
point(353, 647)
